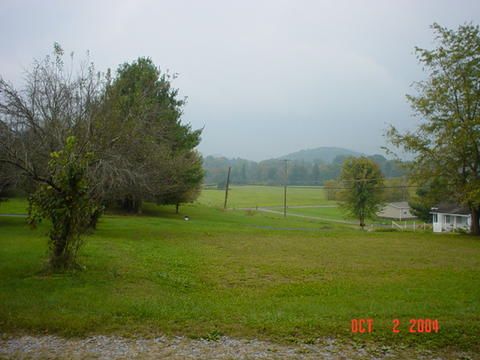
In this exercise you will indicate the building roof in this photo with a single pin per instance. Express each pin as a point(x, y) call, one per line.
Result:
point(399, 204)
point(448, 208)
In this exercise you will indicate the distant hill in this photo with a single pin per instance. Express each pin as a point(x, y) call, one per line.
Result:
point(307, 167)
point(324, 154)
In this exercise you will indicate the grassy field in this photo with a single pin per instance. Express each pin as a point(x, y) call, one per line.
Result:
point(251, 196)
point(242, 273)
point(272, 196)
point(334, 213)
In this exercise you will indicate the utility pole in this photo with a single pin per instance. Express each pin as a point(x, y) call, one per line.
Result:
point(285, 190)
point(404, 190)
point(226, 188)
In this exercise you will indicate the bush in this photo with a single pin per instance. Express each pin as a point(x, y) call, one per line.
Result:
point(66, 202)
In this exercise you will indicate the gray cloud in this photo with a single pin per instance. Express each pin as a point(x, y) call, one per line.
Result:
point(264, 77)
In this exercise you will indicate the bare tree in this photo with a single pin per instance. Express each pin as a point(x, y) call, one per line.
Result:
point(53, 105)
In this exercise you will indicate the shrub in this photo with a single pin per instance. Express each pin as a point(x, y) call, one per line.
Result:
point(66, 202)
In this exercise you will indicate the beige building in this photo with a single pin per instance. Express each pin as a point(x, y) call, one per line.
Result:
point(396, 211)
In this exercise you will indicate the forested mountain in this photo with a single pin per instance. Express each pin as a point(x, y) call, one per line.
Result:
point(325, 154)
point(314, 168)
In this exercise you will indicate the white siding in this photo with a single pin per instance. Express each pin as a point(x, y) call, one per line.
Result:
point(449, 222)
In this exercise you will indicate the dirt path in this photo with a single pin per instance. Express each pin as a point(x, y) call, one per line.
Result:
point(111, 347)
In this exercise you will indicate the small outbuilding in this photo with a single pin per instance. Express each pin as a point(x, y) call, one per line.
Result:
point(449, 217)
point(396, 211)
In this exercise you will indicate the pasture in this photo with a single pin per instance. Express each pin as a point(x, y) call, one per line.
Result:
point(309, 201)
point(250, 196)
point(242, 273)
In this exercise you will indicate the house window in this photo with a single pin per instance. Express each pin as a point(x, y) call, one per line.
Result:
point(461, 220)
point(447, 219)
point(435, 218)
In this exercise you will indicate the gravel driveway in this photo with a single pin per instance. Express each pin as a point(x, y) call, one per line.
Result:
point(111, 347)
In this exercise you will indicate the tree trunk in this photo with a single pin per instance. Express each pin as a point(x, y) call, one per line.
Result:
point(362, 222)
point(94, 219)
point(127, 204)
point(475, 227)
point(137, 206)
point(132, 205)
point(177, 206)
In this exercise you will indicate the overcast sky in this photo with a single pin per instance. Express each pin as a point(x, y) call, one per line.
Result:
point(264, 78)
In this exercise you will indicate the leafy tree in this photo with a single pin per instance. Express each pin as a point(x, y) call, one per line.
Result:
point(186, 175)
point(363, 183)
point(446, 144)
point(331, 188)
point(65, 202)
point(141, 99)
point(428, 195)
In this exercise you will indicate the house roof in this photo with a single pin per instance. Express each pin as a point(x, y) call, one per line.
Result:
point(399, 204)
point(446, 208)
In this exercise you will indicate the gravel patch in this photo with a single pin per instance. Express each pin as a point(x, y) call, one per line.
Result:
point(113, 347)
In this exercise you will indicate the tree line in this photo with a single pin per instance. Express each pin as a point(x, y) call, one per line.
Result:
point(272, 172)
point(77, 141)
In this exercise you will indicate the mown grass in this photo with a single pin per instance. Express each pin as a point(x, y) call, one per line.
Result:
point(241, 273)
point(13, 206)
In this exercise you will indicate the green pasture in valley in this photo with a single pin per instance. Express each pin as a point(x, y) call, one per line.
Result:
point(252, 196)
point(241, 273)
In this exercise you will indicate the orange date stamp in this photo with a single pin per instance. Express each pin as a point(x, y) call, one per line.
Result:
point(366, 326)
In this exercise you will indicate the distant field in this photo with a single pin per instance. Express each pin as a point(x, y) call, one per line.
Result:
point(243, 274)
point(251, 196)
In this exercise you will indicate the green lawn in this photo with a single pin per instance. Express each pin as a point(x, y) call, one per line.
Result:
point(13, 206)
point(251, 196)
point(243, 274)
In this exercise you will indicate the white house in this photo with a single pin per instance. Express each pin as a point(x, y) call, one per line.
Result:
point(396, 210)
point(448, 217)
